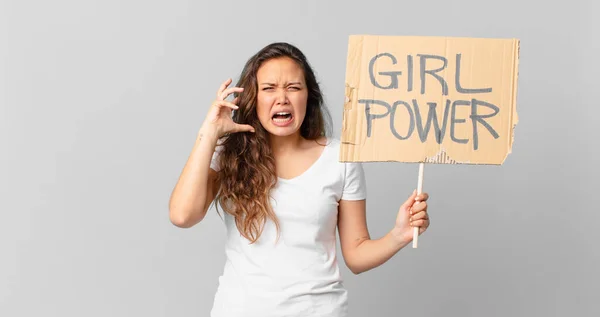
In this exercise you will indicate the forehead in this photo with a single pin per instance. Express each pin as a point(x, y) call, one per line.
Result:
point(280, 69)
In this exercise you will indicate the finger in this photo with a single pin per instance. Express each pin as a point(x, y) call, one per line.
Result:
point(223, 87)
point(224, 103)
point(419, 215)
point(418, 207)
point(244, 128)
point(236, 100)
point(410, 201)
point(418, 223)
point(422, 197)
point(230, 91)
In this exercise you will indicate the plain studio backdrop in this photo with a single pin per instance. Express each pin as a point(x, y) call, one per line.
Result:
point(101, 102)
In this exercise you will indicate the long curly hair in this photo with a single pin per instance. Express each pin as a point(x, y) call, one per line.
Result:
point(247, 172)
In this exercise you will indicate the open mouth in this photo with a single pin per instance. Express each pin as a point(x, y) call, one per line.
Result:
point(282, 117)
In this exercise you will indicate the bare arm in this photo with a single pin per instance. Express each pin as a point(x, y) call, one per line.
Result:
point(360, 252)
point(197, 186)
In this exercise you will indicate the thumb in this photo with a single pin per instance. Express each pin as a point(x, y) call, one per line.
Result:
point(410, 201)
point(244, 128)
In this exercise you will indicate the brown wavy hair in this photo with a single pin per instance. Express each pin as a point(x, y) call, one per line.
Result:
point(247, 172)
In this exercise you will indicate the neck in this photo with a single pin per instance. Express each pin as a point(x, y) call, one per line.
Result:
point(282, 144)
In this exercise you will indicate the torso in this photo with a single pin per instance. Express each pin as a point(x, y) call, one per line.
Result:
point(296, 274)
point(293, 164)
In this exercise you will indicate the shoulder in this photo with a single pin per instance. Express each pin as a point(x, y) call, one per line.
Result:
point(333, 148)
point(350, 174)
point(332, 144)
point(331, 152)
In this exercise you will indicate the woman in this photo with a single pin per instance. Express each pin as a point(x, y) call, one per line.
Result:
point(274, 170)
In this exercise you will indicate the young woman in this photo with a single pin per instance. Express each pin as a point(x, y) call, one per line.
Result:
point(273, 168)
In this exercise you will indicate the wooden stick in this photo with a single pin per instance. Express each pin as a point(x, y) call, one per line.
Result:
point(419, 190)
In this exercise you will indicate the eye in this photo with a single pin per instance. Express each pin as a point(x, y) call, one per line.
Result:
point(267, 88)
point(294, 88)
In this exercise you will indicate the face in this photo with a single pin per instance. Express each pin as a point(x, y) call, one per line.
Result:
point(282, 96)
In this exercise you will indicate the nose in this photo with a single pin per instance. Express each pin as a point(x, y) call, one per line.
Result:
point(281, 98)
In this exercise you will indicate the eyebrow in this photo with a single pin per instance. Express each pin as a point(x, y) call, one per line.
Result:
point(291, 83)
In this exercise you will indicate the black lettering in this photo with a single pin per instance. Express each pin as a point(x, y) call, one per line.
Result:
point(466, 90)
point(370, 117)
point(453, 120)
point(411, 125)
point(433, 72)
point(393, 75)
point(431, 117)
point(479, 118)
point(409, 61)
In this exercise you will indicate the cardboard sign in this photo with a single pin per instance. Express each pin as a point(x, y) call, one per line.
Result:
point(429, 99)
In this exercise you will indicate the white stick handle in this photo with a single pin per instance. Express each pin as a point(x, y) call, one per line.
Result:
point(419, 190)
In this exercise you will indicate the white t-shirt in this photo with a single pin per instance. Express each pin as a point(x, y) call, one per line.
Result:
point(298, 276)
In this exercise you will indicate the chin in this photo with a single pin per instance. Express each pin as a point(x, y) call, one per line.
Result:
point(279, 131)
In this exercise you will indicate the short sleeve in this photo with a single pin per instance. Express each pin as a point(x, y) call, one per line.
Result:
point(214, 162)
point(355, 186)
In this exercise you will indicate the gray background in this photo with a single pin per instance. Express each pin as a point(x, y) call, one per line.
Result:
point(101, 102)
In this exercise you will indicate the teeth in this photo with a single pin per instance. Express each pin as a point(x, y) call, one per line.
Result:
point(282, 120)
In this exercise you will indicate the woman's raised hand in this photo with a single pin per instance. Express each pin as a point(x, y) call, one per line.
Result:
point(218, 121)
